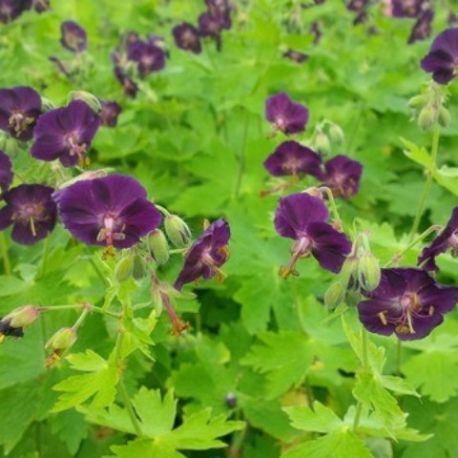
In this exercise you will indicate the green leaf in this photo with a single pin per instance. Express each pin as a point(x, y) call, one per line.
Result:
point(417, 154)
point(320, 419)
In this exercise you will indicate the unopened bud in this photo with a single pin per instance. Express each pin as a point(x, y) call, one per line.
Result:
point(157, 301)
point(231, 400)
point(177, 231)
point(62, 340)
point(88, 98)
point(47, 105)
point(444, 117)
point(427, 118)
point(369, 272)
point(322, 143)
point(124, 268)
point(22, 317)
point(139, 270)
point(158, 247)
point(335, 295)
point(419, 101)
point(336, 134)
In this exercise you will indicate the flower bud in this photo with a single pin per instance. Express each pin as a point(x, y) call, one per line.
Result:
point(336, 134)
point(177, 231)
point(88, 98)
point(231, 400)
point(47, 105)
point(369, 272)
point(139, 270)
point(124, 268)
point(444, 117)
point(335, 294)
point(419, 101)
point(62, 340)
point(427, 118)
point(158, 247)
point(22, 317)
point(322, 143)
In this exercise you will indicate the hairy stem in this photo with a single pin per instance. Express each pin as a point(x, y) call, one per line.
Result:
point(364, 366)
point(5, 255)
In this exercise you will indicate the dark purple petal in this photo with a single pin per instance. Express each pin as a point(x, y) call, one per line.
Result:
point(73, 36)
point(342, 176)
point(65, 133)
point(206, 255)
point(357, 5)
point(407, 8)
point(422, 27)
point(31, 210)
point(286, 115)
point(328, 246)
point(296, 212)
point(296, 56)
point(6, 172)
point(149, 57)
point(110, 112)
point(108, 211)
point(368, 315)
point(448, 238)
point(292, 158)
point(10, 10)
point(19, 109)
point(187, 37)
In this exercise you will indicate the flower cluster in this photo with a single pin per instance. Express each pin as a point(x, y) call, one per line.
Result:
point(340, 174)
point(211, 23)
point(12, 9)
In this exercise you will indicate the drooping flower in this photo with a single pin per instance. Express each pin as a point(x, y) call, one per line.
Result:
point(407, 302)
point(109, 113)
point(129, 85)
point(187, 37)
point(357, 5)
point(292, 158)
point(448, 238)
point(211, 26)
point(302, 217)
point(407, 8)
point(31, 211)
point(221, 9)
point(206, 255)
point(65, 133)
point(10, 10)
point(148, 56)
point(14, 323)
point(20, 108)
point(316, 31)
point(442, 59)
point(40, 6)
point(296, 56)
point(342, 175)
point(6, 172)
point(287, 116)
point(422, 27)
point(73, 36)
point(108, 211)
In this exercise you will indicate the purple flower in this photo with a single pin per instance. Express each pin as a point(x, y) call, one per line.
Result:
point(357, 5)
point(316, 31)
point(303, 217)
point(448, 238)
point(20, 108)
point(206, 255)
point(220, 8)
point(442, 59)
point(212, 25)
point(342, 175)
point(108, 211)
point(286, 115)
point(422, 27)
point(40, 6)
point(110, 112)
point(407, 8)
point(407, 302)
point(10, 10)
point(297, 56)
point(73, 37)
point(65, 133)
point(6, 172)
point(187, 37)
point(6, 330)
point(32, 212)
point(292, 158)
point(148, 57)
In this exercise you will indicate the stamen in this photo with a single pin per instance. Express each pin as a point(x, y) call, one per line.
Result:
point(32, 227)
point(409, 322)
point(382, 318)
point(2, 338)
point(431, 310)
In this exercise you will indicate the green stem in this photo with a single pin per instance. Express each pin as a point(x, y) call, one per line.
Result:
point(45, 258)
point(241, 156)
point(429, 179)
point(364, 366)
point(398, 356)
point(334, 208)
point(5, 255)
point(129, 407)
point(92, 308)
point(96, 268)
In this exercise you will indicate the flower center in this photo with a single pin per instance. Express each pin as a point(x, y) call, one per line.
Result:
point(292, 164)
point(19, 123)
point(453, 242)
point(75, 148)
point(148, 60)
point(213, 263)
point(30, 214)
point(189, 39)
point(73, 40)
point(112, 229)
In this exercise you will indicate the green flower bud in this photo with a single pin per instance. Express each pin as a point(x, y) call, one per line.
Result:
point(444, 117)
point(369, 272)
point(157, 301)
point(22, 317)
point(47, 105)
point(419, 101)
point(177, 231)
point(139, 270)
point(158, 247)
point(88, 98)
point(124, 268)
point(336, 134)
point(322, 143)
point(427, 118)
point(335, 294)
point(62, 340)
